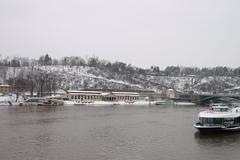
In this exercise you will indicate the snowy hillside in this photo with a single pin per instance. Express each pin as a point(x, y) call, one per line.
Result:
point(85, 77)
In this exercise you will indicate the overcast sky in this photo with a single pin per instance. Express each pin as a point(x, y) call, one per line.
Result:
point(141, 32)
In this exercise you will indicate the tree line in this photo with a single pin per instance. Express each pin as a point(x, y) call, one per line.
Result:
point(119, 67)
point(35, 81)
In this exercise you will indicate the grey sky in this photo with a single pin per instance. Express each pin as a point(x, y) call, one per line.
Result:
point(141, 32)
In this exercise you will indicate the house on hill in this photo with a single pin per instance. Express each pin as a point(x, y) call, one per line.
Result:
point(5, 89)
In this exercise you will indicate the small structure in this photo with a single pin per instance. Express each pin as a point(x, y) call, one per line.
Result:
point(5, 89)
point(28, 94)
point(171, 93)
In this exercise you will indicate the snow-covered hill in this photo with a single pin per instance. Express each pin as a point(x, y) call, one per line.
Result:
point(85, 77)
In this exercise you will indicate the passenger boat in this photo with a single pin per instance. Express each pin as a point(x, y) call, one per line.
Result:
point(219, 118)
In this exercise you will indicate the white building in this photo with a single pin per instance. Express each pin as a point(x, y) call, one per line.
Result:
point(101, 96)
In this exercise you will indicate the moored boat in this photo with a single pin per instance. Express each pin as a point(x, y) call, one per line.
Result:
point(42, 102)
point(219, 118)
point(184, 103)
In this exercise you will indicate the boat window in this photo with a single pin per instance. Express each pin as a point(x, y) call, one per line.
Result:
point(237, 120)
point(220, 109)
point(224, 109)
point(211, 121)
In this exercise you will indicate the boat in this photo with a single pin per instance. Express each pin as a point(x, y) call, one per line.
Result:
point(160, 102)
point(42, 102)
point(77, 103)
point(219, 118)
point(51, 102)
point(184, 103)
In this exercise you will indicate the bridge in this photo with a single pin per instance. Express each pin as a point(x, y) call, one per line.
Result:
point(203, 99)
point(200, 99)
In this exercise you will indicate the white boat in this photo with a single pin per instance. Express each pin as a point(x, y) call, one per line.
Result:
point(219, 118)
point(184, 103)
point(163, 102)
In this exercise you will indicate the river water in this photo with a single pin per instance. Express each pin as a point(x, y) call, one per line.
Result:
point(110, 133)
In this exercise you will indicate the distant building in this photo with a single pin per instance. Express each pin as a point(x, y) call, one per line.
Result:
point(171, 93)
point(28, 94)
point(101, 96)
point(126, 96)
point(5, 89)
point(83, 95)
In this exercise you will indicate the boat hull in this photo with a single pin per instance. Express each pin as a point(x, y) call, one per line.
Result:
point(212, 129)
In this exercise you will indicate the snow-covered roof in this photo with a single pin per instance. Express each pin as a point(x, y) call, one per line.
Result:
point(88, 92)
point(85, 94)
point(231, 89)
point(4, 85)
point(126, 93)
point(105, 93)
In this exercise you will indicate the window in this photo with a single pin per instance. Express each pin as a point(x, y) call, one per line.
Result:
point(211, 121)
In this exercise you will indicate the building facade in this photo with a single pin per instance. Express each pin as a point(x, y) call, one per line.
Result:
point(171, 93)
point(83, 95)
point(5, 89)
point(101, 96)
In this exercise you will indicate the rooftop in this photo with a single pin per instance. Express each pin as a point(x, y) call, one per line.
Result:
point(4, 85)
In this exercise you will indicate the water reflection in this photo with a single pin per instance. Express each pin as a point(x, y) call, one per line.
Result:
point(25, 109)
point(217, 139)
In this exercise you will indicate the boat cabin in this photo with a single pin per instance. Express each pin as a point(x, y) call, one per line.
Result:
point(219, 115)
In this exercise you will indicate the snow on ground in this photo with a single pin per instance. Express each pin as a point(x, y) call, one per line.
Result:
point(78, 77)
point(82, 71)
point(11, 98)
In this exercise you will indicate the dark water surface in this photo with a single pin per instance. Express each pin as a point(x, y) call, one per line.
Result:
point(110, 133)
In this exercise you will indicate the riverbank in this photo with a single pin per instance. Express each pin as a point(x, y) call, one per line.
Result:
point(11, 100)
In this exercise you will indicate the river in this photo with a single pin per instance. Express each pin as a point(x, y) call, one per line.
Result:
point(110, 133)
